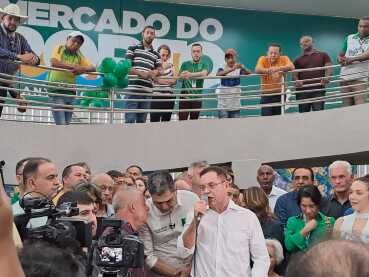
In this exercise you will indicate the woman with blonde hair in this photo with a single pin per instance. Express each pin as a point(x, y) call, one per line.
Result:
point(256, 200)
point(356, 226)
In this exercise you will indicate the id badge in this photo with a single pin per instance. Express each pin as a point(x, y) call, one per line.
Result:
point(193, 83)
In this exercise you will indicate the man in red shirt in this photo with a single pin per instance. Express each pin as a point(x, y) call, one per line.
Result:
point(311, 84)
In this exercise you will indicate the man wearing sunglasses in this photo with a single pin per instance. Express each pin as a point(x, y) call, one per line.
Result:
point(13, 47)
point(166, 220)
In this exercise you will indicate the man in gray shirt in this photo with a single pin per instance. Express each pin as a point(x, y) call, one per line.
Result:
point(166, 220)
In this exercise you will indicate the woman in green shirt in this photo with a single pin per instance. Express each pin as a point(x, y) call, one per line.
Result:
point(311, 225)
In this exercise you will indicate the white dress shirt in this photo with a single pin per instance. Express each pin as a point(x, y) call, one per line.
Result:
point(226, 242)
point(274, 195)
point(161, 231)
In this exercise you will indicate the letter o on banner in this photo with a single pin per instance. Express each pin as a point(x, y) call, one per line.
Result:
point(218, 29)
point(165, 24)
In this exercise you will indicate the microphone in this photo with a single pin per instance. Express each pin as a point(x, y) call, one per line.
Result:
point(203, 197)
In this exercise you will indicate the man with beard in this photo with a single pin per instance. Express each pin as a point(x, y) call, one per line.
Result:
point(312, 80)
point(265, 178)
point(13, 47)
point(165, 223)
point(145, 67)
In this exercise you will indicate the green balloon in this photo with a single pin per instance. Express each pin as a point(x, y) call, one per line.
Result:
point(122, 69)
point(99, 104)
point(96, 104)
point(102, 94)
point(85, 102)
point(123, 83)
point(107, 65)
point(109, 80)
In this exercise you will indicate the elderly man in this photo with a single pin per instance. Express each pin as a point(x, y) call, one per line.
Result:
point(106, 184)
point(341, 177)
point(167, 217)
point(129, 206)
point(227, 237)
point(193, 172)
point(265, 178)
point(13, 47)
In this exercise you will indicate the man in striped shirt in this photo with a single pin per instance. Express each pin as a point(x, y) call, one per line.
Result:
point(145, 67)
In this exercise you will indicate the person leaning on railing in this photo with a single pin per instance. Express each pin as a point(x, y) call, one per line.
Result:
point(354, 71)
point(166, 86)
point(13, 47)
point(69, 57)
point(273, 67)
point(230, 103)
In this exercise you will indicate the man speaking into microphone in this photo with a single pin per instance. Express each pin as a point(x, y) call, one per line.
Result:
point(226, 236)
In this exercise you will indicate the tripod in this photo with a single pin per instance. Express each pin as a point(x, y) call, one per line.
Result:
point(2, 163)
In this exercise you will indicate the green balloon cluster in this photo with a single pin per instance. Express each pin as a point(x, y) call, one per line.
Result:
point(115, 74)
point(97, 101)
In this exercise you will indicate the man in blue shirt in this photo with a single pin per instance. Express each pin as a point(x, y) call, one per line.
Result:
point(286, 205)
point(13, 47)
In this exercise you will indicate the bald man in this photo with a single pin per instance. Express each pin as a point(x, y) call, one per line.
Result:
point(129, 206)
point(106, 184)
point(311, 83)
point(265, 177)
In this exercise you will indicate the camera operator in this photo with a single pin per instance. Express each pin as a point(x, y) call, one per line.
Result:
point(41, 258)
point(129, 205)
point(167, 218)
point(85, 204)
point(40, 178)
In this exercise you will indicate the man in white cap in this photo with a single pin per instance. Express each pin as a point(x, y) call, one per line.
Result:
point(67, 56)
point(13, 47)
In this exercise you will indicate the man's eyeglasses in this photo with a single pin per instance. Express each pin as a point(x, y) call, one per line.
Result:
point(210, 186)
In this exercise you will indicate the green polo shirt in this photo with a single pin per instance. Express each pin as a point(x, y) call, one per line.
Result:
point(295, 242)
point(193, 67)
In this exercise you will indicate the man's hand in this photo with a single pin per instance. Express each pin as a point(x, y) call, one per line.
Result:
point(299, 83)
point(27, 58)
point(143, 75)
point(200, 208)
point(184, 271)
point(239, 66)
point(185, 75)
point(273, 70)
point(21, 102)
point(77, 70)
point(341, 59)
point(153, 74)
point(325, 81)
point(349, 60)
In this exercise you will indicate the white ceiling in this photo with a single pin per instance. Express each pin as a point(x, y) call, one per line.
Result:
point(340, 8)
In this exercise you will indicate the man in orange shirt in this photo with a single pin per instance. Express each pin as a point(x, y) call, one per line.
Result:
point(273, 66)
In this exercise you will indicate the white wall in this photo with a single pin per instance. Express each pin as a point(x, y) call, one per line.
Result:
point(177, 144)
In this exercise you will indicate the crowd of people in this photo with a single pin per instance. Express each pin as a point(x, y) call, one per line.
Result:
point(199, 223)
point(149, 64)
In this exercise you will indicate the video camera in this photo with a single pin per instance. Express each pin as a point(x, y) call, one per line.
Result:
point(57, 227)
point(116, 251)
